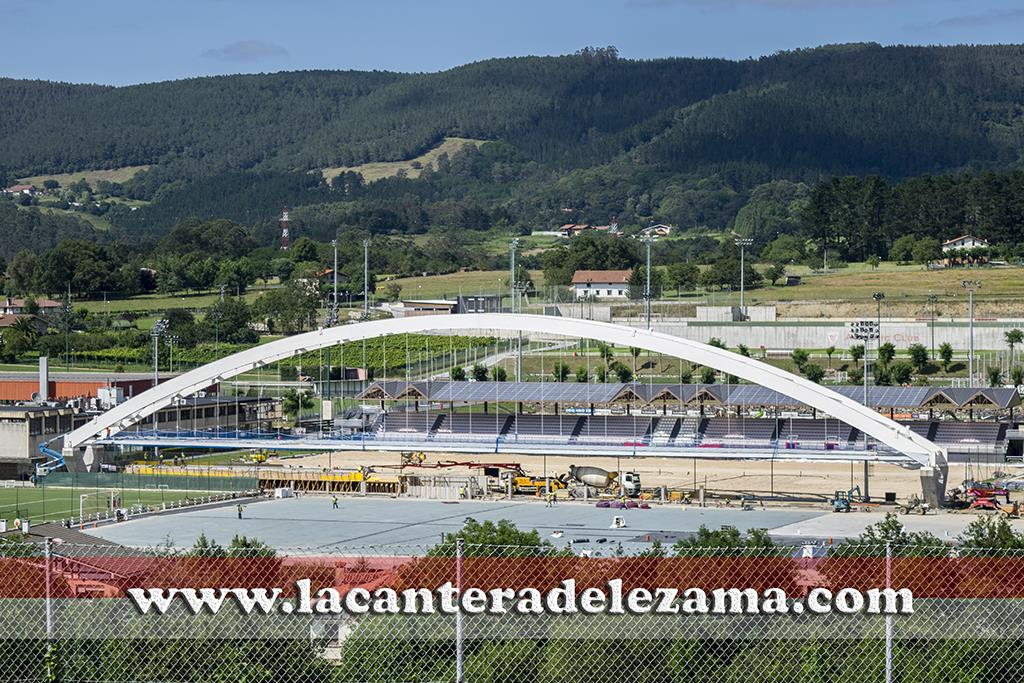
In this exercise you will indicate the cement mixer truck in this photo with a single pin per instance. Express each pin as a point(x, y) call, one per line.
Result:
point(599, 480)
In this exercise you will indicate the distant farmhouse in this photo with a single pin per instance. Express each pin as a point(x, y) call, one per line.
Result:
point(29, 190)
point(9, 306)
point(575, 229)
point(659, 230)
point(965, 250)
point(601, 284)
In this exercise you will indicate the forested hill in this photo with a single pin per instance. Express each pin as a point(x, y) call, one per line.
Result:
point(564, 127)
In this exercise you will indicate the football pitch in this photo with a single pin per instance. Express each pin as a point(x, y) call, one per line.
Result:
point(54, 503)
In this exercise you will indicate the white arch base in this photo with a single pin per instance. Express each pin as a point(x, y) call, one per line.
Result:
point(915, 448)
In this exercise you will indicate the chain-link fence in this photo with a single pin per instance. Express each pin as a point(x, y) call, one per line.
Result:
point(461, 611)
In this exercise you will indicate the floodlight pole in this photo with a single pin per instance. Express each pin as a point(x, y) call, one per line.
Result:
point(743, 243)
point(970, 286)
point(366, 278)
point(647, 287)
point(932, 299)
point(332, 313)
point(513, 296)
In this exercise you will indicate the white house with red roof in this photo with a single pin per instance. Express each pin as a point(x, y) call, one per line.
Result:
point(601, 284)
point(21, 189)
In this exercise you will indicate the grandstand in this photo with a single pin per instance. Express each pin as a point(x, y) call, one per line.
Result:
point(969, 423)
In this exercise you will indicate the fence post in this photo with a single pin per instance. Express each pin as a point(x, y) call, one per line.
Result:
point(47, 561)
point(458, 612)
point(888, 617)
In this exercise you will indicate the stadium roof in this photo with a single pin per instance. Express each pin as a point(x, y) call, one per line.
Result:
point(725, 394)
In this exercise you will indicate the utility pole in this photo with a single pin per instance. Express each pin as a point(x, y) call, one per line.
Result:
point(743, 243)
point(366, 278)
point(970, 286)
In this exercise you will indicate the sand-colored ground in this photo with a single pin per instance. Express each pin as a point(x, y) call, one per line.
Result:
point(800, 480)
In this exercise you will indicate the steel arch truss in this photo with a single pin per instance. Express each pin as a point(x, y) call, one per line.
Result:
point(917, 449)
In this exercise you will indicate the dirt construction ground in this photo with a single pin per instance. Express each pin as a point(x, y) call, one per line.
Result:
point(799, 480)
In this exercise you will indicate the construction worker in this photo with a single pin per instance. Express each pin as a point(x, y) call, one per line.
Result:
point(547, 500)
point(240, 508)
point(334, 501)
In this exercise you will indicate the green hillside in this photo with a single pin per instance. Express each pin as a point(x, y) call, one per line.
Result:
point(578, 137)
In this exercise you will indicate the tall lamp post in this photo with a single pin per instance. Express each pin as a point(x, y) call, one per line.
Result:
point(933, 299)
point(514, 292)
point(648, 238)
point(366, 279)
point(159, 328)
point(970, 286)
point(332, 313)
point(743, 243)
point(866, 330)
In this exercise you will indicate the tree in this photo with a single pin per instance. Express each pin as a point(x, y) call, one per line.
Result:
point(707, 375)
point(288, 309)
point(902, 372)
point(874, 261)
point(622, 372)
point(561, 371)
point(774, 272)
point(725, 541)
point(635, 352)
point(682, 276)
point(582, 375)
point(392, 291)
point(479, 372)
point(1017, 376)
point(995, 376)
point(902, 250)
point(1013, 338)
point(886, 352)
point(638, 282)
point(926, 250)
point(830, 351)
point(716, 342)
point(236, 275)
point(601, 374)
point(919, 356)
point(946, 354)
point(499, 374)
point(606, 353)
point(857, 352)
point(814, 372)
point(743, 350)
point(990, 533)
point(294, 403)
point(458, 374)
point(229, 321)
point(800, 358)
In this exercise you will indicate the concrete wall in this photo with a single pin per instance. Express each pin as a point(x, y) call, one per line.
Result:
point(793, 334)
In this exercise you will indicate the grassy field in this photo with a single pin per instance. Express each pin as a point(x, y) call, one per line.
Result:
point(113, 175)
point(385, 169)
point(470, 282)
point(159, 302)
point(53, 503)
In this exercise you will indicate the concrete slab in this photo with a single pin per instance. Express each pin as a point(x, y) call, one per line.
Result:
point(415, 525)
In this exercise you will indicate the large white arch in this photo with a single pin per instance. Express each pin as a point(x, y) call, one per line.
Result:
point(885, 431)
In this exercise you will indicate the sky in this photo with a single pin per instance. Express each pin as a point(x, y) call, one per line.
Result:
point(121, 42)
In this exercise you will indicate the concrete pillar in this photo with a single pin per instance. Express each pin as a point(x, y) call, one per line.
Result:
point(864, 488)
point(933, 484)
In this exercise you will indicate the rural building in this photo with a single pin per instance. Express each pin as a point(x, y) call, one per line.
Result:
point(11, 306)
point(601, 284)
point(29, 190)
point(17, 387)
point(965, 250)
point(413, 307)
point(659, 230)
